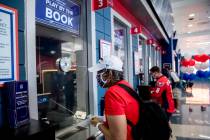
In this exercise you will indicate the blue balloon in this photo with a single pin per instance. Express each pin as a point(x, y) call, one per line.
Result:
point(199, 73)
point(209, 74)
point(192, 77)
point(206, 74)
point(185, 76)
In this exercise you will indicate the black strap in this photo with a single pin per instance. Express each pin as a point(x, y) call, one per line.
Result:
point(132, 93)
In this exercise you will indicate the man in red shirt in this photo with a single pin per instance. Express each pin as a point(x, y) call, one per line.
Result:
point(119, 105)
point(162, 92)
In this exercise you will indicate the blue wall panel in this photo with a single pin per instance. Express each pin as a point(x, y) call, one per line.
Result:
point(107, 13)
point(103, 31)
point(99, 23)
point(167, 58)
point(99, 35)
point(21, 48)
point(100, 12)
point(108, 38)
point(135, 48)
point(107, 27)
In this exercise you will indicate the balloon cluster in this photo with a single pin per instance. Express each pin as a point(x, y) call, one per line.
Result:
point(196, 67)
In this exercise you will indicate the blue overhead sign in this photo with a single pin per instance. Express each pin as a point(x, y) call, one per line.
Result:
point(60, 14)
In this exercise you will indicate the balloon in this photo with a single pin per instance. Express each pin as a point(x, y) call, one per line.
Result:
point(204, 66)
point(191, 62)
point(192, 77)
point(209, 74)
point(200, 74)
point(190, 70)
point(184, 62)
point(185, 76)
point(204, 57)
point(198, 66)
point(197, 58)
point(206, 74)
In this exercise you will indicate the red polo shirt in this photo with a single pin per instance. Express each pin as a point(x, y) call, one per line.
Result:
point(119, 102)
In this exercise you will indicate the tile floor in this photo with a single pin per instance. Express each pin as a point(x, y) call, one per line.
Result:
point(195, 124)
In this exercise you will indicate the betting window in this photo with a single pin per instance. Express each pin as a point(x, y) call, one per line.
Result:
point(120, 44)
point(61, 62)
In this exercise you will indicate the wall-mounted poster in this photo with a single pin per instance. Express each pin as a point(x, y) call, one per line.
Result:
point(105, 48)
point(9, 69)
point(137, 63)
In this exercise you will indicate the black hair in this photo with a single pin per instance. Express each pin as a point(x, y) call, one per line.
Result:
point(116, 75)
point(155, 69)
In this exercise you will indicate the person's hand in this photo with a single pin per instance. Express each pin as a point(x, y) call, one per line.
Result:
point(94, 121)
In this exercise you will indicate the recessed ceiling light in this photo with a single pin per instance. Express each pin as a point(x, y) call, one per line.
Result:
point(208, 16)
point(191, 18)
point(173, 24)
point(189, 32)
point(191, 15)
point(190, 25)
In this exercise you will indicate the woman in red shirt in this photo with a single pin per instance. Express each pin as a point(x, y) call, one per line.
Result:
point(119, 105)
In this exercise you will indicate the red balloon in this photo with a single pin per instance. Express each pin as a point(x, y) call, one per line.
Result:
point(204, 58)
point(191, 62)
point(184, 62)
point(197, 58)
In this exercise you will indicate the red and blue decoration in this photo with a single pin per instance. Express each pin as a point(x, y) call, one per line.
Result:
point(195, 67)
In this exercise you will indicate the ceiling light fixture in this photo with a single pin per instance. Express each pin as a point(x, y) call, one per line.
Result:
point(189, 32)
point(203, 43)
point(190, 25)
point(191, 15)
point(208, 16)
point(173, 24)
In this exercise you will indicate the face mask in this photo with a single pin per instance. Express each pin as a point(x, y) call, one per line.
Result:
point(100, 80)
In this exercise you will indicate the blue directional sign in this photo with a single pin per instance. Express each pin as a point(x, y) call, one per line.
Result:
point(60, 14)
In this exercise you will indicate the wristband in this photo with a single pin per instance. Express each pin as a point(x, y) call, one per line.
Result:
point(97, 125)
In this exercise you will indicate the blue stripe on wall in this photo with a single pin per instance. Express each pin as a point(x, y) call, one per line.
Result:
point(103, 31)
point(135, 48)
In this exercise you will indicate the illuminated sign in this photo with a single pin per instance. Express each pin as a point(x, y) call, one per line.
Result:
point(60, 14)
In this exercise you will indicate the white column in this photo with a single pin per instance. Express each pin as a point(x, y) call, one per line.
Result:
point(30, 42)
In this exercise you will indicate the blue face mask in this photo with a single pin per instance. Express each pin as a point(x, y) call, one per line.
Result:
point(100, 80)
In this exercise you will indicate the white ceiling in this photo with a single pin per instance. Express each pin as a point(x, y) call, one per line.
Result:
point(191, 39)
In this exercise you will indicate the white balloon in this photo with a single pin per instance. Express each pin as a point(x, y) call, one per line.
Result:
point(198, 66)
point(187, 56)
point(204, 65)
point(183, 69)
point(190, 70)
